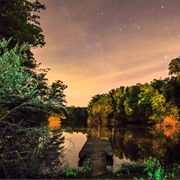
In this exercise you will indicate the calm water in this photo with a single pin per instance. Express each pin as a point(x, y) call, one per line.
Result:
point(130, 144)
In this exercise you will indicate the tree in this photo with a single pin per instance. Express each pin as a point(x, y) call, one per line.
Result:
point(131, 103)
point(173, 86)
point(42, 81)
point(99, 110)
point(15, 83)
point(92, 102)
point(144, 101)
point(158, 104)
point(174, 67)
point(20, 21)
point(78, 116)
point(140, 103)
point(19, 99)
point(57, 91)
point(159, 84)
point(18, 85)
point(118, 98)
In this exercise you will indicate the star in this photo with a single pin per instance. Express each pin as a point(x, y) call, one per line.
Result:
point(103, 38)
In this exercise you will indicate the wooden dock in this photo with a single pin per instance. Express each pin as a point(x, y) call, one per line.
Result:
point(100, 153)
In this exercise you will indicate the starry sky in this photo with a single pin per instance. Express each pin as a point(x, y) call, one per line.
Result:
point(94, 46)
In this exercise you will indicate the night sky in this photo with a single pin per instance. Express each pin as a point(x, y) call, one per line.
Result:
point(94, 46)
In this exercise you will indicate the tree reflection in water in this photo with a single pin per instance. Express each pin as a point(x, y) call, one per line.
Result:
point(138, 143)
point(130, 143)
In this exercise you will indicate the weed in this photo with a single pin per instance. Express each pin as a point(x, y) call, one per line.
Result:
point(119, 170)
point(86, 167)
point(155, 171)
point(68, 171)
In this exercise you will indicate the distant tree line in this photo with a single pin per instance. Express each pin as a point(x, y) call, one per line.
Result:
point(77, 116)
point(140, 103)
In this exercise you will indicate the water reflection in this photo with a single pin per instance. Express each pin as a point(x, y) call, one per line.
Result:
point(129, 143)
point(140, 143)
point(166, 143)
point(103, 132)
point(73, 143)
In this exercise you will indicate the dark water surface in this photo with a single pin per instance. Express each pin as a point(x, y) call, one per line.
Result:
point(130, 144)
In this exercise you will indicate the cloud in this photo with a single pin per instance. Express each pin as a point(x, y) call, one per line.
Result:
point(94, 46)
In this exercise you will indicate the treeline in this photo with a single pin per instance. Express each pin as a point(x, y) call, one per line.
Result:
point(77, 116)
point(140, 103)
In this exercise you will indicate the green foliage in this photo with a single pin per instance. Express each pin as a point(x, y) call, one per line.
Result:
point(118, 97)
point(129, 111)
point(158, 104)
point(57, 91)
point(18, 21)
point(99, 110)
point(140, 103)
point(144, 100)
point(175, 171)
point(77, 116)
point(154, 169)
point(25, 142)
point(19, 89)
point(152, 164)
point(118, 173)
point(174, 67)
point(69, 172)
point(36, 153)
point(135, 178)
point(51, 153)
point(15, 81)
point(16, 84)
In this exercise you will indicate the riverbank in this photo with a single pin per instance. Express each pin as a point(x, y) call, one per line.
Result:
point(152, 170)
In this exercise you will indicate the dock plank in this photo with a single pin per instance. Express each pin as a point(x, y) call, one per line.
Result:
point(97, 150)
point(96, 145)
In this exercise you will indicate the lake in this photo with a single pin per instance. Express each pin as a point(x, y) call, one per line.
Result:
point(130, 143)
